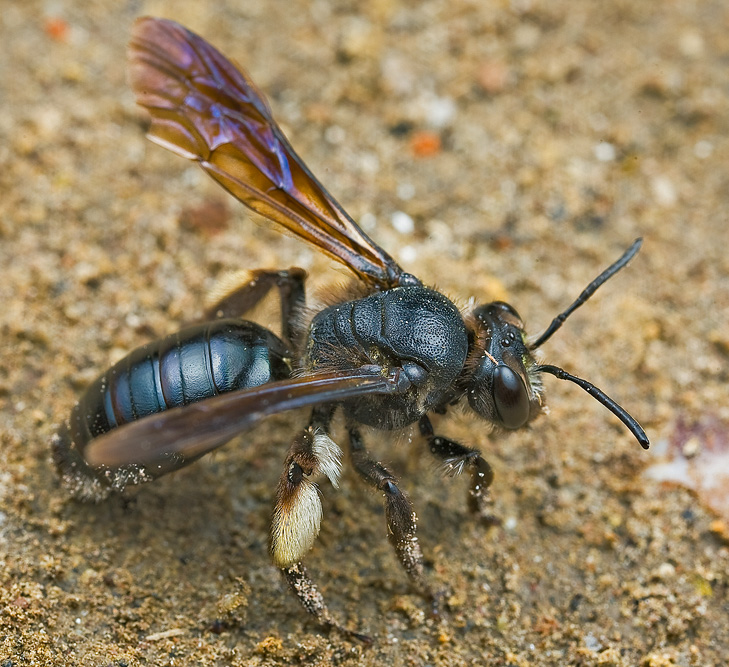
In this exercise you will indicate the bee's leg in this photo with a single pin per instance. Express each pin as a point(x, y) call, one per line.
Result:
point(298, 511)
point(255, 286)
point(456, 457)
point(309, 596)
point(401, 518)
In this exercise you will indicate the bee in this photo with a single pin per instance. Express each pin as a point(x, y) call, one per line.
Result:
point(386, 358)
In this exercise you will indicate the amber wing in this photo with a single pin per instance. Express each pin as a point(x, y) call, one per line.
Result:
point(206, 109)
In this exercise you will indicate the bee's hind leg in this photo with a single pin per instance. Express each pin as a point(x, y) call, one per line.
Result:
point(309, 596)
point(298, 511)
point(237, 299)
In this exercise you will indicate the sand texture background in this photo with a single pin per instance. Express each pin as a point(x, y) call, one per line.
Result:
point(529, 142)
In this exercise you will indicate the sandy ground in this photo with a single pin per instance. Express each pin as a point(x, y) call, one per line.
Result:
point(530, 142)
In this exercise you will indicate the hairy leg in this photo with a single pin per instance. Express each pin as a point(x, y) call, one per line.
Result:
point(401, 518)
point(297, 513)
point(457, 457)
point(241, 299)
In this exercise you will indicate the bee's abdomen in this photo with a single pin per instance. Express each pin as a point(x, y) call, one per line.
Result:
point(188, 366)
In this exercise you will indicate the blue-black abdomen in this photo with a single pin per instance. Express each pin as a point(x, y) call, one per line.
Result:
point(188, 366)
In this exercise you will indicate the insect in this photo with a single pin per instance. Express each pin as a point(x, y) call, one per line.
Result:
point(386, 356)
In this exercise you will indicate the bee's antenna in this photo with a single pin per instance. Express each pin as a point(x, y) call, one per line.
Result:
point(601, 397)
point(587, 293)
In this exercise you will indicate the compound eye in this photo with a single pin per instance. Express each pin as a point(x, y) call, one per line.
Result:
point(510, 397)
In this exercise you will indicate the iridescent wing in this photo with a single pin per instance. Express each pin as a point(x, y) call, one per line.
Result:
point(205, 109)
point(193, 430)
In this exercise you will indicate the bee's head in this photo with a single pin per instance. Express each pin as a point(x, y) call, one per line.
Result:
point(502, 380)
point(501, 385)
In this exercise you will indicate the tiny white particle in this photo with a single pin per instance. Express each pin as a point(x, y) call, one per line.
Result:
point(691, 44)
point(592, 643)
point(406, 191)
point(408, 253)
point(508, 188)
point(369, 163)
point(335, 134)
point(605, 152)
point(703, 149)
point(598, 122)
point(190, 177)
point(368, 221)
point(402, 222)
point(441, 111)
point(664, 191)
point(510, 523)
